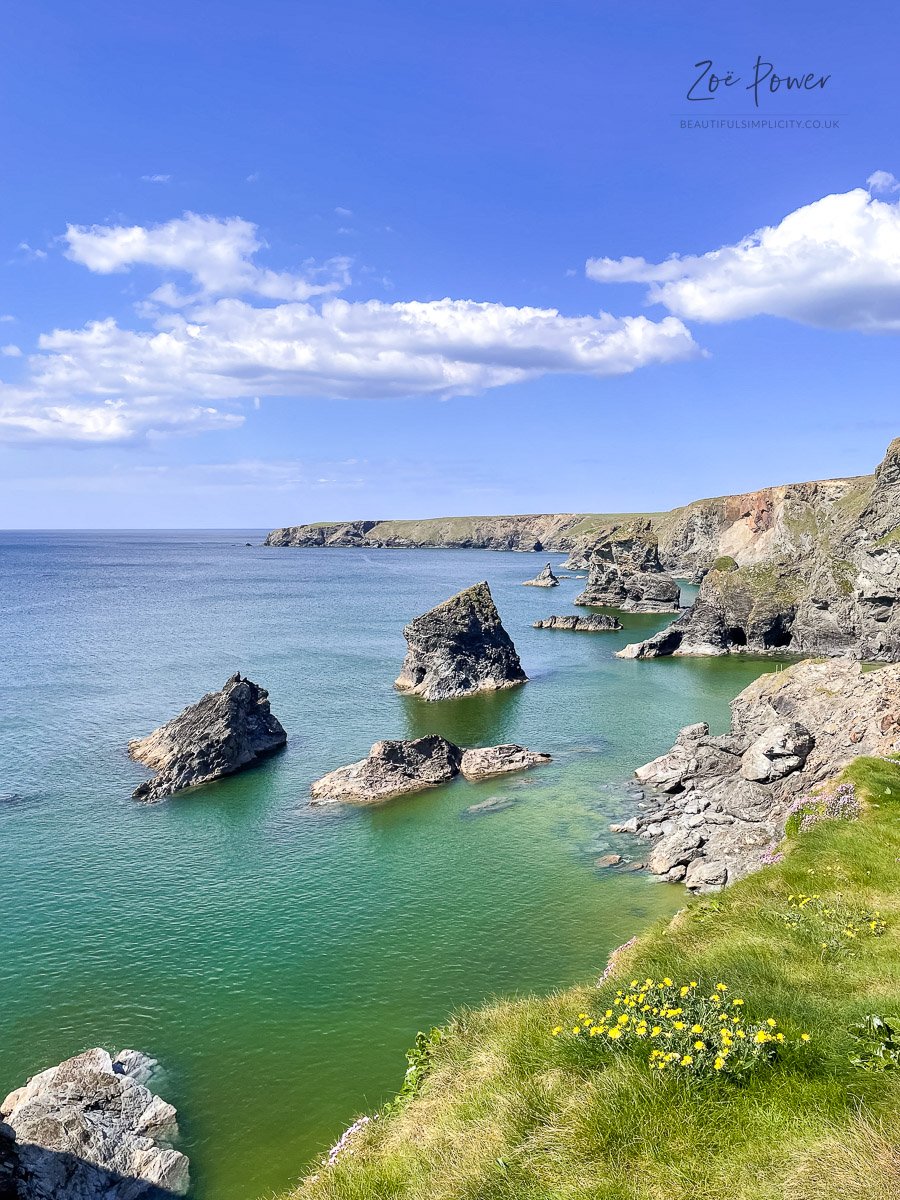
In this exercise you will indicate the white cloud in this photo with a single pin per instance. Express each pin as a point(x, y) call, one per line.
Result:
point(834, 263)
point(31, 251)
point(216, 253)
point(196, 371)
point(201, 362)
point(344, 212)
point(155, 178)
point(882, 181)
point(254, 178)
point(10, 351)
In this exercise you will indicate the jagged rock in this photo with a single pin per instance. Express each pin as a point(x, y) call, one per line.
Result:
point(483, 762)
point(816, 570)
point(781, 749)
point(596, 623)
point(222, 733)
point(458, 648)
point(90, 1129)
point(624, 572)
point(675, 849)
point(546, 578)
point(392, 768)
point(725, 799)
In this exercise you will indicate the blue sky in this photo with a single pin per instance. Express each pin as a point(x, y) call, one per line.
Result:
point(285, 353)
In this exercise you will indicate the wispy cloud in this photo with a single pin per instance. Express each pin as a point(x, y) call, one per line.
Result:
point(200, 361)
point(834, 263)
point(156, 178)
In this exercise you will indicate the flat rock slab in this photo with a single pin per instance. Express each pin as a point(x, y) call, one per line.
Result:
point(222, 733)
point(396, 768)
point(90, 1128)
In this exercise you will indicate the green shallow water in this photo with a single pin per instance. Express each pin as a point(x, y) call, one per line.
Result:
point(279, 959)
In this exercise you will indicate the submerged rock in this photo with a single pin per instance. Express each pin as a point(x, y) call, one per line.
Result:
point(90, 1128)
point(607, 860)
point(625, 572)
point(458, 648)
point(222, 733)
point(486, 761)
point(394, 768)
point(492, 805)
point(546, 578)
point(597, 623)
point(721, 802)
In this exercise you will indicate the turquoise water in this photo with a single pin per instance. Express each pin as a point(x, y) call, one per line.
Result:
point(279, 959)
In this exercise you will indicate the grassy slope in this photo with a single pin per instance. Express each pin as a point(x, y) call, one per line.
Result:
point(507, 1112)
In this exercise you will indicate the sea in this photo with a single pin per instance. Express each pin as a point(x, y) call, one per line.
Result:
point(276, 958)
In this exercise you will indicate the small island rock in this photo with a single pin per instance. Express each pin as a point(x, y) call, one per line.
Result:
point(545, 579)
point(596, 623)
point(486, 761)
point(395, 768)
point(90, 1128)
point(392, 768)
point(459, 648)
point(222, 733)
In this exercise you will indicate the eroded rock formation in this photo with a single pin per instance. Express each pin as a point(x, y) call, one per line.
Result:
point(595, 623)
point(395, 768)
point(458, 648)
point(624, 571)
point(222, 733)
point(719, 803)
point(545, 578)
point(91, 1129)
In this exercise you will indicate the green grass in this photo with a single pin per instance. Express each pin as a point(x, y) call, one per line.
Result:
point(507, 1112)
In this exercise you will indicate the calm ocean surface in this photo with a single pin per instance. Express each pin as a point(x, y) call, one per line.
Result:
point(279, 959)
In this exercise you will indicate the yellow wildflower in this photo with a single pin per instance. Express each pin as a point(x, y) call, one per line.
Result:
point(719, 1064)
point(698, 1045)
point(804, 1037)
point(557, 1030)
point(615, 1032)
point(687, 1060)
point(667, 982)
point(696, 1029)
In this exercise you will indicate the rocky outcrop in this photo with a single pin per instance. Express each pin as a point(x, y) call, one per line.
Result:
point(487, 761)
point(392, 768)
point(545, 578)
point(459, 648)
point(624, 571)
point(830, 585)
point(395, 768)
point(595, 623)
point(539, 532)
point(222, 733)
point(719, 803)
point(91, 1129)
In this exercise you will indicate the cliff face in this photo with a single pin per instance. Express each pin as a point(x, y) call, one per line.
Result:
point(558, 532)
point(624, 571)
point(814, 569)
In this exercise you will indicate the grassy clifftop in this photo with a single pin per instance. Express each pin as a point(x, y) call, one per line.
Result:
point(502, 1108)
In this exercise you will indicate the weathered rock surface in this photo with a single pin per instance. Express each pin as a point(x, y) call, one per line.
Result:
point(394, 768)
point(595, 623)
point(624, 571)
point(720, 802)
point(483, 762)
point(545, 578)
point(222, 733)
point(828, 582)
point(458, 648)
point(90, 1129)
point(539, 532)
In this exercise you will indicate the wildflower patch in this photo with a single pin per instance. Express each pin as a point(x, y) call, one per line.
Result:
point(834, 926)
point(841, 804)
point(678, 1027)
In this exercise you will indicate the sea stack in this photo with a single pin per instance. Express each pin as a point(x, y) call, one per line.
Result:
point(595, 623)
point(222, 733)
point(90, 1128)
point(459, 648)
point(545, 579)
point(625, 572)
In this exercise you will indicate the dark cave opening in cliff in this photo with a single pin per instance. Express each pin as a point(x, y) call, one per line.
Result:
point(735, 636)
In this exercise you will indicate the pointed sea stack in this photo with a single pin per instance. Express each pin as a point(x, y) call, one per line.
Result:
point(222, 733)
point(458, 648)
point(545, 579)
